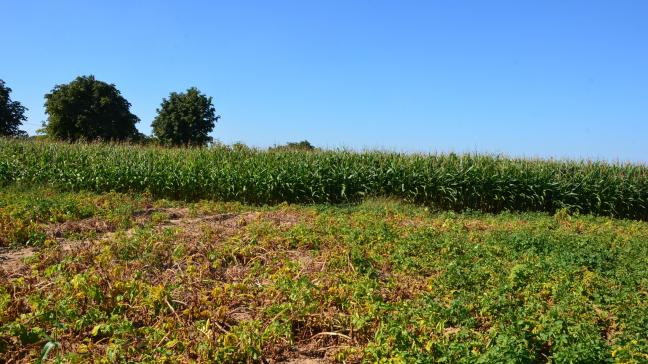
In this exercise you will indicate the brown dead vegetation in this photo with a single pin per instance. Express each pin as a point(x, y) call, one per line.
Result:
point(12, 259)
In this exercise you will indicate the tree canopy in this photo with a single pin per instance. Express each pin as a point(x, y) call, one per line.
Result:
point(12, 113)
point(89, 109)
point(304, 145)
point(185, 119)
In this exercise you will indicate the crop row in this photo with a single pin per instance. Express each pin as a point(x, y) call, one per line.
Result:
point(454, 182)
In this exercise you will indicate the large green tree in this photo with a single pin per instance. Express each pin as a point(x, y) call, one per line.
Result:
point(185, 119)
point(89, 109)
point(12, 113)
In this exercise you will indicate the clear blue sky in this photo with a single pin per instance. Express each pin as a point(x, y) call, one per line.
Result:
point(523, 78)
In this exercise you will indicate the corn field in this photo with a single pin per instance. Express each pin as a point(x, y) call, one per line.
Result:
point(448, 182)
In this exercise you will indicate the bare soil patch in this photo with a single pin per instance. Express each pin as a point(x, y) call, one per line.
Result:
point(11, 260)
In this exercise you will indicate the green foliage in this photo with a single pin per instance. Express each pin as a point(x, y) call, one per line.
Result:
point(12, 113)
point(185, 119)
point(304, 145)
point(385, 282)
point(27, 217)
point(446, 182)
point(89, 109)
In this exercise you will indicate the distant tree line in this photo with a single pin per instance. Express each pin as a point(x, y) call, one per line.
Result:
point(304, 146)
point(89, 109)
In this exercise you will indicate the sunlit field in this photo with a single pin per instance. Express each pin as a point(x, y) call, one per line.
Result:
point(122, 277)
point(441, 182)
point(125, 253)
